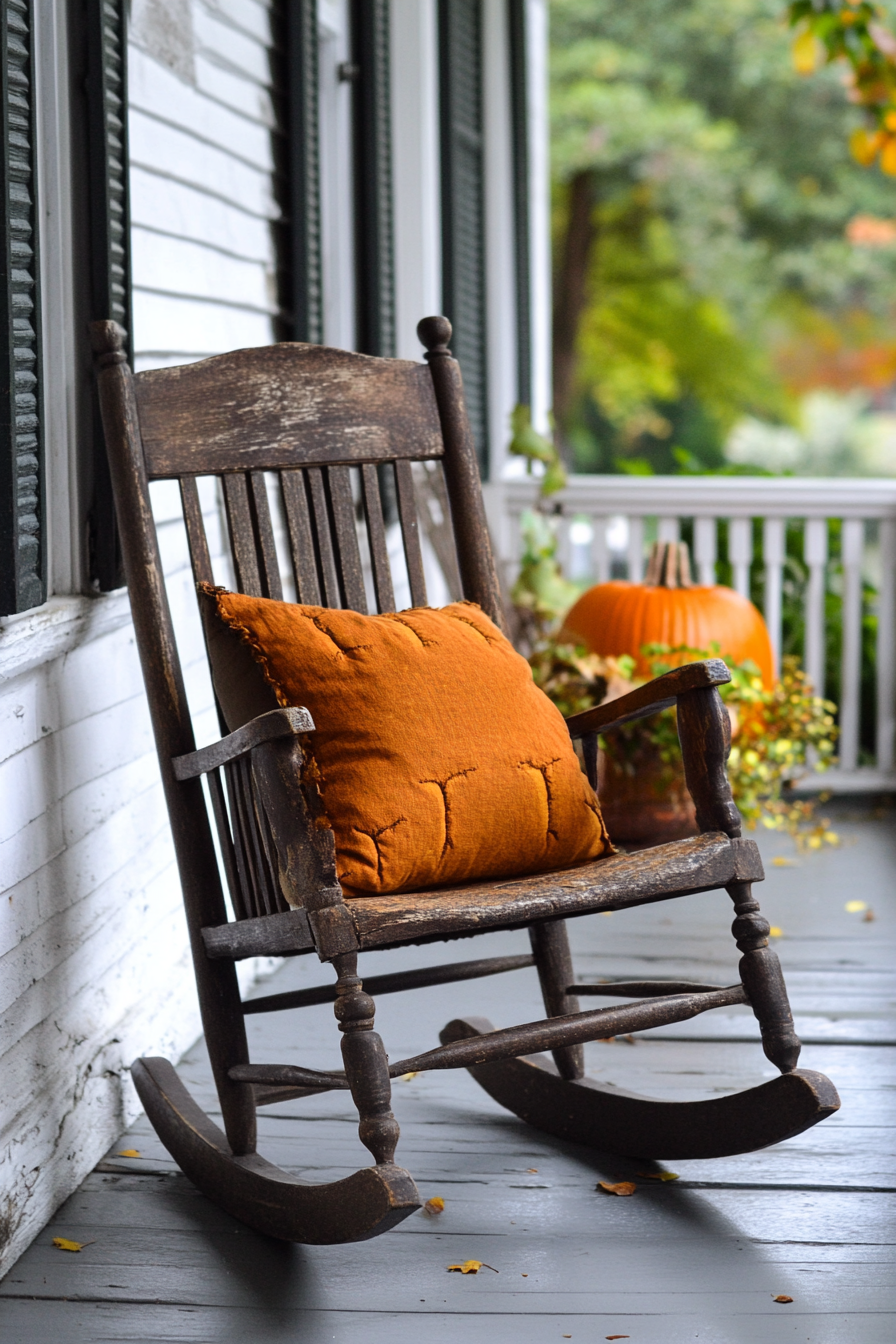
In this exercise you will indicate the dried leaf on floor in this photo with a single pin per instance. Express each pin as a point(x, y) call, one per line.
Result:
point(128, 1152)
point(533, 1171)
point(775, 932)
point(617, 1187)
point(659, 1175)
point(434, 1206)
point(617, 1336)
point(406, 1077)
point(472, 1267)
point(63, 1244)
point(855, 907)
point(779, 861)
point(868, 917)
point(782, 1297)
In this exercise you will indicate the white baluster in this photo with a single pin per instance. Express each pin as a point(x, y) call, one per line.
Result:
point(852, 546)
point(815, 554)
point(886, 647)
point(564, 546)
point(740, 552)
point(600, 552)
point(773, 557)
point(705, 550)
point(635, 549)
point(668, 529)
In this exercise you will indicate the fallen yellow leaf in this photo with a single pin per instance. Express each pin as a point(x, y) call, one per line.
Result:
point(472, 1267)
point(406, 1077)
point(63, 1245)
point(533, 1171)
point(659, 1176)
point(779, 861)
point(854, 907)
point(128, 1152)
point(435, 1205)
point(617, 1188)
point(775, 932)
point(782, 1297)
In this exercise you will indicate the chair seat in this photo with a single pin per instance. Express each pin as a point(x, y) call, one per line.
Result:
point(679, 868)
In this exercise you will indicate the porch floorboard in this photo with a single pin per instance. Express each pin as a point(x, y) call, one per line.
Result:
point(698, 1258)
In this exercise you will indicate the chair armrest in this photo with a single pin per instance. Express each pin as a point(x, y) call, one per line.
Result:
point(266, 728)
point(649, 699)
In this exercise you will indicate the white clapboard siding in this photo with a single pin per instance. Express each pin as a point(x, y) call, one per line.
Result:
point(94, 962)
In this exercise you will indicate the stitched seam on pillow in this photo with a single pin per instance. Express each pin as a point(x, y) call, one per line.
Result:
point(489, 639)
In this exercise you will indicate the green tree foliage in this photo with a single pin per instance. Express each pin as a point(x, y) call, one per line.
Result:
point(702, 192)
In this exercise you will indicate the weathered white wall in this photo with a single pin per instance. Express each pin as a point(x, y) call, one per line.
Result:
point(94, 968)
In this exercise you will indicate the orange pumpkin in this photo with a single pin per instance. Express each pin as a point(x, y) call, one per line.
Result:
point(620, 617)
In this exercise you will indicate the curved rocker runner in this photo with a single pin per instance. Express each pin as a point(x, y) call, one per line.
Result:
point(326, 425)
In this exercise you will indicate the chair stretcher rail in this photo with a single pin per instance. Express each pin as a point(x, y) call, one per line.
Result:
point(511, 1042)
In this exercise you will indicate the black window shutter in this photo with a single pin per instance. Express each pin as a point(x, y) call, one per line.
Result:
point(23, 561)
point(108, 213)
point(463, 208)
point(375, 287)
point(303, 170)
point(519, 104)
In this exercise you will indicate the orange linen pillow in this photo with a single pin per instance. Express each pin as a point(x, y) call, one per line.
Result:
point(438, 759)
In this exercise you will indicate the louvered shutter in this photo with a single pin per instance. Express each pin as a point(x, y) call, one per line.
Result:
point(463, 213)
point(375, 288)
point(23, 562)
point(303, 170)
point(110, 245)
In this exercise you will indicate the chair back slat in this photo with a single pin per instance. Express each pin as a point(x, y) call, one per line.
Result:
point(225, 840)
point(242, 535)
point(197, 541)
point(246, 886)
point(285, 405)
point(326, 557)
point(410, 532)
point(376, 539)
point(301, 541)
point(266, 549)
point(345, 533)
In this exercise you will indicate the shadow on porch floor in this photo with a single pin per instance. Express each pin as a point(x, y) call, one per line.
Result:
point(702, 1257)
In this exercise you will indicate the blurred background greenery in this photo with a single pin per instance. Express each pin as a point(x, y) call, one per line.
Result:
point(725, 271)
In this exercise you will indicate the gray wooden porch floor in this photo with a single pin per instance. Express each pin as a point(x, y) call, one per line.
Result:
point(699, 1258)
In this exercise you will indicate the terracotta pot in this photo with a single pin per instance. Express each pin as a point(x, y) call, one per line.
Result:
point(639, 805)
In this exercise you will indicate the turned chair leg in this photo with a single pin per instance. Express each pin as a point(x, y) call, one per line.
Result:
point(366, 1065)
point(550, 946)
point(761, 975)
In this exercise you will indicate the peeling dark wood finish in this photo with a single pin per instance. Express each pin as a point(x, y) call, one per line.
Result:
point(266, 728)
point(320, 514)
point(285, 405)
point(301, 542)
point(474, 552)
point(242, 535)
point(656, 695)
point(279, 935)
point(265, 548)
point(677, 869)
point(346, 539)
point(410, 532)
point(200, 559)
point(616, 1121)
point(395, 983)
point(314, 416)
point(376, 536)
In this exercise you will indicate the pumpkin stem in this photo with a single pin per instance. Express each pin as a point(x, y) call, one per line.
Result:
point(669, 565)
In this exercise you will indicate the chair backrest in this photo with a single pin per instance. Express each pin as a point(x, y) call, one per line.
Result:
point(302, 440)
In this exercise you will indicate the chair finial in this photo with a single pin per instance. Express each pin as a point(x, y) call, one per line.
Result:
point(108, 341)
point(434, 333)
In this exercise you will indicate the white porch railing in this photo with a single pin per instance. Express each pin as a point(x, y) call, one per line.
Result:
point(607, 522)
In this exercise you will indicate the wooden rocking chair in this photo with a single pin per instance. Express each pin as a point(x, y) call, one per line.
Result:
point(314, 416)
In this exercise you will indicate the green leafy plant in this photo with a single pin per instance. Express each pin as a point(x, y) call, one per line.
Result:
point(778, 735)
